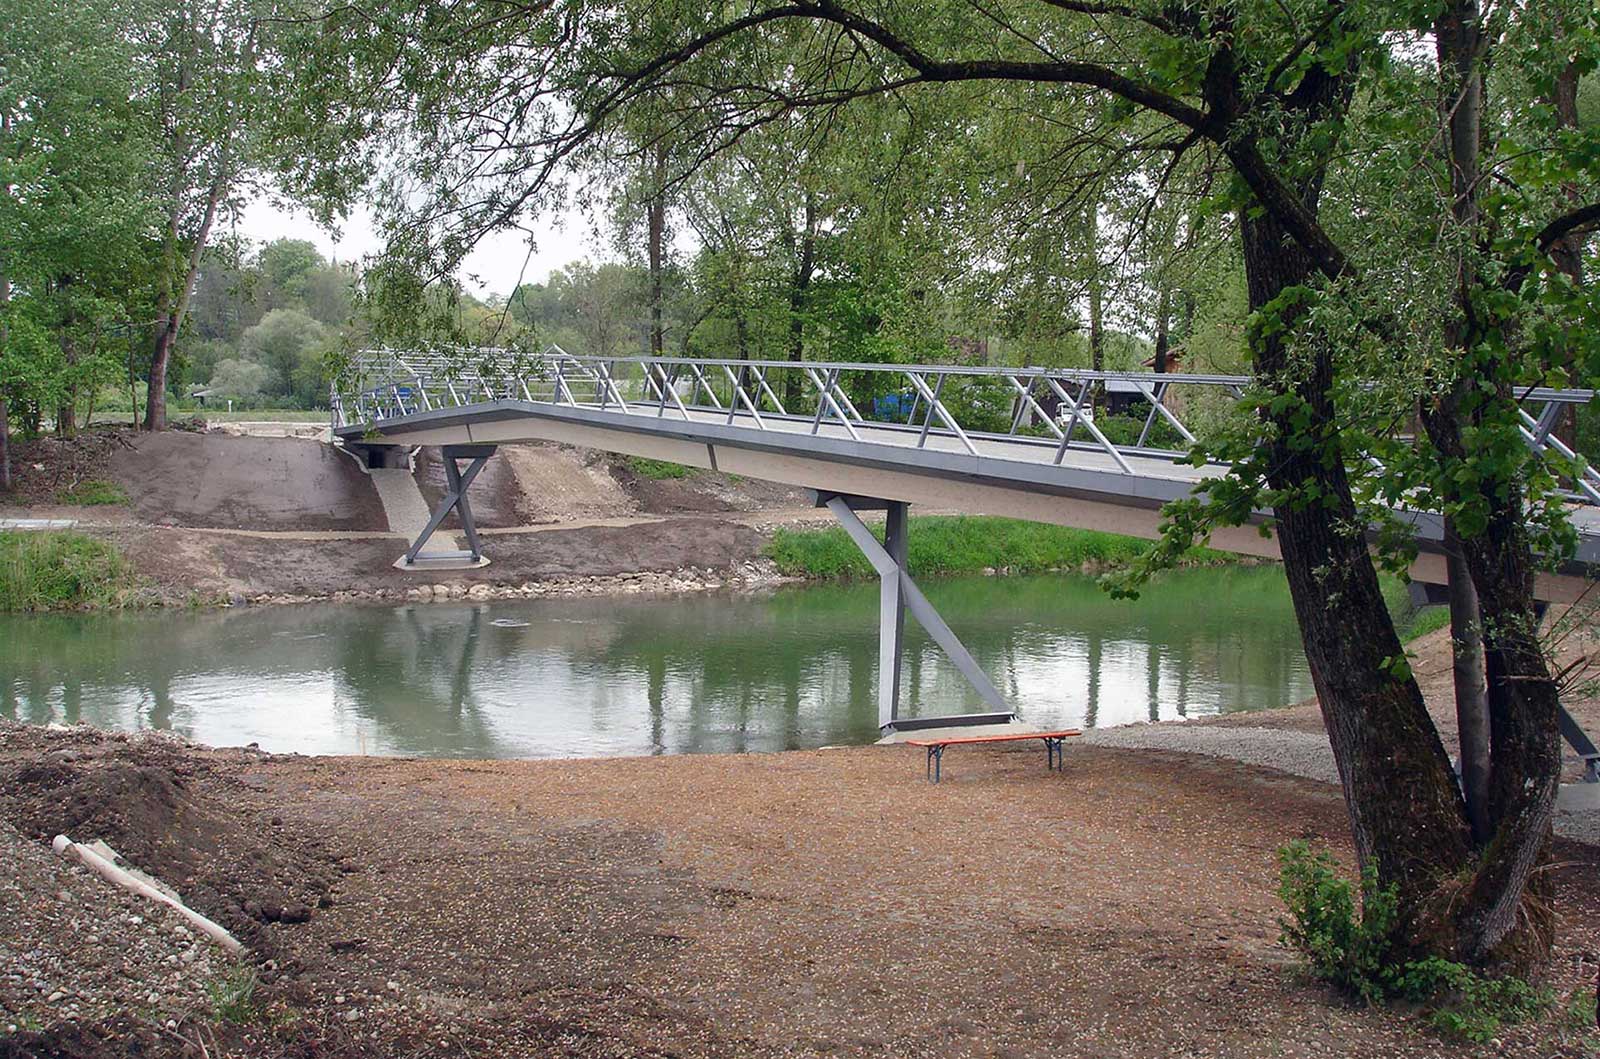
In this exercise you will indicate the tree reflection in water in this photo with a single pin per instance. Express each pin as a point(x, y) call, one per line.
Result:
point(701, 673)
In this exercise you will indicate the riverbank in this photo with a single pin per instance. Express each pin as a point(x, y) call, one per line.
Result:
point(197, 518)
point(711, 905)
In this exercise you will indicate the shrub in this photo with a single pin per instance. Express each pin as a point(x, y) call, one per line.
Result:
point(1322, 923)
point(49, 571)
point(1354, 953)
point(1466, 1004)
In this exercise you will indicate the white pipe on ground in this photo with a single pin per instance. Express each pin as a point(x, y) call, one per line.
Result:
point(114, 874)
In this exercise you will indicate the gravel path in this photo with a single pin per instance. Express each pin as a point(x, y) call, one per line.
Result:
point(1298, 753)
point(1301, 753)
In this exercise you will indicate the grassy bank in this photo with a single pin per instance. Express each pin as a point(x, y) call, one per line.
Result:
point(970, 544)
point(962, 544)
point(61, 570)
point(1410, 621)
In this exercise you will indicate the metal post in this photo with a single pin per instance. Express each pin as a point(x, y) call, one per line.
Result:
point(891, 615)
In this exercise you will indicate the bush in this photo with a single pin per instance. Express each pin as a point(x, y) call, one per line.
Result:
point(1322, 923)
point(92, 492)
point(50, 571)
point(1354, 953)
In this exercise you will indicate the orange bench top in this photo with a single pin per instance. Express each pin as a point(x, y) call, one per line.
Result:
point(1062, 734)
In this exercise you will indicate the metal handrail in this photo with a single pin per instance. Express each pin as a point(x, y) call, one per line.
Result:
point(404, 383)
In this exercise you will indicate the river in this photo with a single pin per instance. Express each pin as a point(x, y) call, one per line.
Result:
point(694, 674)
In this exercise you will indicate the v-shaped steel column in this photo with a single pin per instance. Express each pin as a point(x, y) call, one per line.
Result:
point(455, 499)
point(897, 594)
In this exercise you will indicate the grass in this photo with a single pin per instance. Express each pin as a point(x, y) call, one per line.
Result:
point(1411, 622)
point(659, 470)
point(61, 569)
point(962, 544)
point(233, 997)
point(92, 492)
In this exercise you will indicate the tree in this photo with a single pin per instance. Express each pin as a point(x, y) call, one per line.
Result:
point(72, 170)
point(204, 82)
point(241, 379)
point(1272, 93)
point(288, 344)
point(288, 265)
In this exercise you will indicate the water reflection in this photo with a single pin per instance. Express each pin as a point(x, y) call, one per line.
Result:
point(609, 676)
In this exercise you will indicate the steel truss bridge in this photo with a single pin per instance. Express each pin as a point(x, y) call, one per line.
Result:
point(1016, 441)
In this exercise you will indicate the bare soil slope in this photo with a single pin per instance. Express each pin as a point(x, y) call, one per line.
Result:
point(560, 483)
point(190, 479)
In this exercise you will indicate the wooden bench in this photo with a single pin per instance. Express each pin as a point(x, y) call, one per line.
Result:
point(1052, 746)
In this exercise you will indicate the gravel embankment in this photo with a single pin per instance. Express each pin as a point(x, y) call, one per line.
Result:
point(76, 948)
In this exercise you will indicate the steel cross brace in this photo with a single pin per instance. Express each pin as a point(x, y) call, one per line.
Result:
point(455, 498)
point(897, 594)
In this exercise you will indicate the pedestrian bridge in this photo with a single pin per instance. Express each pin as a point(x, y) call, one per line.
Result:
point(1016, 441)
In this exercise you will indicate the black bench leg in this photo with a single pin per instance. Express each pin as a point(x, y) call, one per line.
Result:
point(936, 759)
point(1054, 755)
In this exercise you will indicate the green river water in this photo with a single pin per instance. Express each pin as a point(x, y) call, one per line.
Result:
point(694, 674)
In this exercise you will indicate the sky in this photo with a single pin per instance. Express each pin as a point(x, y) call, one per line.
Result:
point(490, 269)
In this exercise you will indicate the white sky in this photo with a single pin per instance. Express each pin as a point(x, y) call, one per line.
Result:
point(490, 269)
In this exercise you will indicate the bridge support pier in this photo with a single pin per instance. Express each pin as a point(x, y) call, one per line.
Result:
point(455, 499)
point(898, 593)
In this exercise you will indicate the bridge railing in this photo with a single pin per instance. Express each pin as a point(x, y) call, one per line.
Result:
point(1124, 415)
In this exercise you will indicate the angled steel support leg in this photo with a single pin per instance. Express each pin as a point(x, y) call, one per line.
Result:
point(1580, 742)
point(898, 594)
point(455, 499)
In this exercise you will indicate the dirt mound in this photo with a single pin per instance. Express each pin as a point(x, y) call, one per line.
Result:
point(187, 479)
point(137, 796)
point(561, 483)
point(117, 1036)
point(702, 491)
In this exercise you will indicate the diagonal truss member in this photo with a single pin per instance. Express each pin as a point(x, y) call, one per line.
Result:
point(897, 594)
point(455, 499)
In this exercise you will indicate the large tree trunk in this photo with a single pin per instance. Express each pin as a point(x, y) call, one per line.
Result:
point(1406, 815)
point(1504, 913)
point(1472, 703)
point(173, 301)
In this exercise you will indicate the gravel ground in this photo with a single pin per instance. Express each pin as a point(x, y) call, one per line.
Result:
point(759, 905)
point(76, 948)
